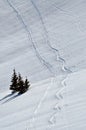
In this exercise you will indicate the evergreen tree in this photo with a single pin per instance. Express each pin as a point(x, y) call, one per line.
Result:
point(20, 84)
point(14, 80)
point(26, 85)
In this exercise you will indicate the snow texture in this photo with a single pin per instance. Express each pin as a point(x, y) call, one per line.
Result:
point(45, 41)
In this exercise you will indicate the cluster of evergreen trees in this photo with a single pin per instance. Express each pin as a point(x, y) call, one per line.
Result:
point(18, 84)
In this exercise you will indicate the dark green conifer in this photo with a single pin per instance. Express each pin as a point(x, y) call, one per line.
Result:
point(26, 84)
point(14, 80)
point(20, 84)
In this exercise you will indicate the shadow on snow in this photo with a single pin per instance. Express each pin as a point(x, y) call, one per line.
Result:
point(9, 97)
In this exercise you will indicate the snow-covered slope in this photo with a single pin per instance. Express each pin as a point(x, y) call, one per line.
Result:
point(33, 31)
point(47, 106)
point(45, 41)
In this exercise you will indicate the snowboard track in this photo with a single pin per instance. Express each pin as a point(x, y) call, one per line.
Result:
point(64, 69)
point(56, 51)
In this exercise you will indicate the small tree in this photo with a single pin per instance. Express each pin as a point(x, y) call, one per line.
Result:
point(14, 80)
point(20, 84)
point(26, 85)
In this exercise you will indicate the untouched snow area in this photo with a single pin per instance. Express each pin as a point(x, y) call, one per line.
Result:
point(44, 40)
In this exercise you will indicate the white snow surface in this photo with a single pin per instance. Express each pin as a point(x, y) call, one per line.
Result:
point(44, 40)
point(48, 105)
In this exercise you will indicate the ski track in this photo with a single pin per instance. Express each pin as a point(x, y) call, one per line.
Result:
point(39, 105)
point(44, 28)
point(52, 119)
point(56, 51)
point(31, 39)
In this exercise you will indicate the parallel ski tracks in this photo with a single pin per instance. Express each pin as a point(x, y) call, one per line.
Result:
point(41, 59)
point(64, 69)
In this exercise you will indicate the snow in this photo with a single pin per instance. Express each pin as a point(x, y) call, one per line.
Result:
point(47, 105)
point(45, 41)
point(33, 32)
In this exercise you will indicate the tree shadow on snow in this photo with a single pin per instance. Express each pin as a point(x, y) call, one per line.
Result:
point(9, 97)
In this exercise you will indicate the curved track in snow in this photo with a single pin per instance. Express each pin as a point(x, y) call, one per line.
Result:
point(64, 69)
point(56, 51)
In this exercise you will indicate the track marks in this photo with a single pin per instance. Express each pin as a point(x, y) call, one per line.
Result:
point(41, 59)
point(58, 95)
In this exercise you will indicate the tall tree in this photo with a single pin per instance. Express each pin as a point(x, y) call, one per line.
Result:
point(14, 80)
point(20, 84)
point(26, 84)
